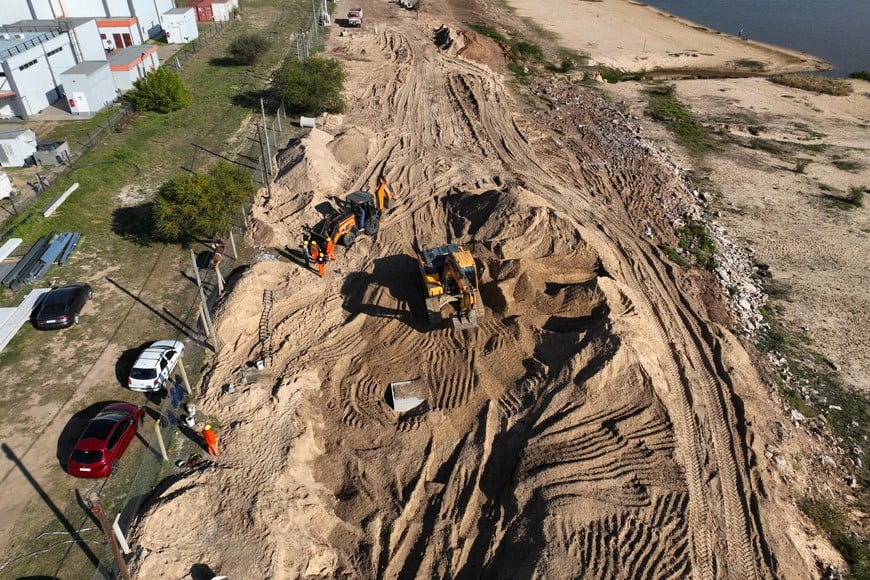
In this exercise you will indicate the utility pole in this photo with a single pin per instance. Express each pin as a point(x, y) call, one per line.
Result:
point(93, 502)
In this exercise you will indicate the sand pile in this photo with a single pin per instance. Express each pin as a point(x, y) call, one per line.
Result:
point(588, 426)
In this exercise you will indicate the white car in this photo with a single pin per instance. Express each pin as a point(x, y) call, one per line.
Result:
point(154, 365)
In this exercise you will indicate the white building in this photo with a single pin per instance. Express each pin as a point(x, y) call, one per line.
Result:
point(117, 33)
point(16, 147)
point(180, 25)
point(33, 55)
point(89, 87)
point(130, 64)
point(147, 12)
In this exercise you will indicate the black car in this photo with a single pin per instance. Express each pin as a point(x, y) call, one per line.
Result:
point(60, 307)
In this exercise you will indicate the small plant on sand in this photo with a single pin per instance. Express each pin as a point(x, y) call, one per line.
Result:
point(749, 64)
point(666, 109)
point(856, 196)
point(816, 84)
point(695, 239)
point(800, 164)
point(674, 256)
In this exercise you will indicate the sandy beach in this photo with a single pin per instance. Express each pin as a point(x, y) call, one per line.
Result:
point(634, 37)
point(607, 418)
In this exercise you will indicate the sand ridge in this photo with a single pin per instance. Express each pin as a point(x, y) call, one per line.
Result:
point(589, 426)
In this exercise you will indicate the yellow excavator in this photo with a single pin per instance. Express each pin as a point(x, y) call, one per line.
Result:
point(450, 282)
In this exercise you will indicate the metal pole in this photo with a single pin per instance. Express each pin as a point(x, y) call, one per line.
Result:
point(96, 509)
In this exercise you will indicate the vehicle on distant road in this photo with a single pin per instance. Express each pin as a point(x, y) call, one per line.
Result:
point(60, 306)
point(154, 365)
point(104, 440)
point(355, 17)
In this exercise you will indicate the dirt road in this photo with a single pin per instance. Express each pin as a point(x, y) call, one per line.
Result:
point(602, 421)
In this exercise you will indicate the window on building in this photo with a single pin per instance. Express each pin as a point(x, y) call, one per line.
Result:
point(55, 51)
point(27, 65)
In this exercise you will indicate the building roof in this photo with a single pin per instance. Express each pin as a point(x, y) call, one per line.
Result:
point(18, 42)
point(127, 58)
point(116, 22)
point(183, 10)
point(87, 67)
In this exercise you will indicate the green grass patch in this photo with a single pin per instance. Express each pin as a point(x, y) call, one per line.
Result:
point(864, 75)
point(674, 256)
point(695, 239)
point(813, 83)
point(749, 64)
point(664, 107)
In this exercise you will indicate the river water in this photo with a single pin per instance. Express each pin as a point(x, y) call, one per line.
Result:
point(837, 31)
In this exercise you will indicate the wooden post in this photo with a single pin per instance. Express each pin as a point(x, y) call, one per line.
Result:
point(93, 502)
point(204, 305)
point(160, 440)
point(184, 380)
point(233, 246)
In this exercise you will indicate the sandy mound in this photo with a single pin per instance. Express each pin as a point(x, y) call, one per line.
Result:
point(592, 424)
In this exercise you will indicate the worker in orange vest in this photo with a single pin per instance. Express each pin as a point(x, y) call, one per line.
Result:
point(321, 264)
point(314, 249)
point(210, 438)
point(385, 196)
point(330, 248)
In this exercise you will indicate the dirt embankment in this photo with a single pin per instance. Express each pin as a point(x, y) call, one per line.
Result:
point(601, 420)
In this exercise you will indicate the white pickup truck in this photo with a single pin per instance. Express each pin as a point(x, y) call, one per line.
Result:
point(355, 17)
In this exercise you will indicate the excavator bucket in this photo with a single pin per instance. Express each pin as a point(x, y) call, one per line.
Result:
point(464, 321)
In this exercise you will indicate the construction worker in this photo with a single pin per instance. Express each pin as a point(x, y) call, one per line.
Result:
point(210, 438)
point(305, 241)
point(313, 249)
point(321, 264)
point(330, 248)
point(385, 196)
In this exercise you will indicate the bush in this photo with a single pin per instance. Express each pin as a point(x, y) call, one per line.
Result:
point(864, 75)
point(201, 204)
point(248, 47)
point(161, 92)
point(311, 86)
point(836, 87)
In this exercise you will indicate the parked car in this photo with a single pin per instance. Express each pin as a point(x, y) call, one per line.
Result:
point(104, 440)
point(154, 366)
point(60, 307)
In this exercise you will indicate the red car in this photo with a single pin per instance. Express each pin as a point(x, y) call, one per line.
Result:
point(104, 440)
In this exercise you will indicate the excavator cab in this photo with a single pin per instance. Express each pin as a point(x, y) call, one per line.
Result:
point(450, 281)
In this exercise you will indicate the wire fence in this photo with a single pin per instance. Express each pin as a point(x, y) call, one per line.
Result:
point(267, 136)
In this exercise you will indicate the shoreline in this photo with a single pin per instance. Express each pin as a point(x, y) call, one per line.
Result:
point(633, 37)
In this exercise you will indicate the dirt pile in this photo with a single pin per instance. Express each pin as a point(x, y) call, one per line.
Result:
point(597, 420)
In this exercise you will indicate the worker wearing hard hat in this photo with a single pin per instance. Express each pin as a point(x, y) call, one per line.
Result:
point(211, 439)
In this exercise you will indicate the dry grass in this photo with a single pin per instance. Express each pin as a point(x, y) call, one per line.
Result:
point(816, 84)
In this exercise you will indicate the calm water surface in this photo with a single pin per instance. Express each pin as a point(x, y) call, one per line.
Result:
point(835, 30)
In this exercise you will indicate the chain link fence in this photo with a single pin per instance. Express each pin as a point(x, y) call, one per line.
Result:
point(270, 133)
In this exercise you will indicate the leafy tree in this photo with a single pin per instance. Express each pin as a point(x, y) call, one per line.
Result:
point(248, 47)
point(161, 91)
point(201, 204)
point(311, 86)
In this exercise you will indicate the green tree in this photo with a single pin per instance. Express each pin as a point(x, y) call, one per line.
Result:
point(248, 47)
point(311, 86)
point(161, 91)
point(201, 204)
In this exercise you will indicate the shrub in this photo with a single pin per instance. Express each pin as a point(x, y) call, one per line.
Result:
point(856, 196)
point(836, 87)
point(201, 204)
point(161, 92)
point(864, 75)
point(311, 86)
point(248, 47)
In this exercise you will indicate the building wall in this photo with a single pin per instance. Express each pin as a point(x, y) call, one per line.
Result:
point(124, 79)
point(97, 89)
point(149, 17)
point(112, 33)
point(180, 28)
point(223, 11)
point(83, 8)
point(87, 39)
point(31, 78)
point(15, 10)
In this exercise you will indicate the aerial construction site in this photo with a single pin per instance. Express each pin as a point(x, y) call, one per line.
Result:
point(506, 378)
